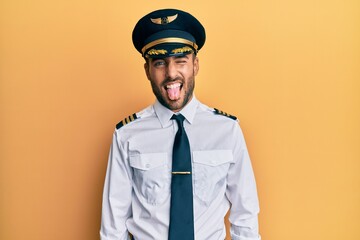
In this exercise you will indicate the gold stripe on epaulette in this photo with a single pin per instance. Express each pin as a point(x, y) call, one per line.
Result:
point(131, 118)
point(126, 120)
point(217, 111)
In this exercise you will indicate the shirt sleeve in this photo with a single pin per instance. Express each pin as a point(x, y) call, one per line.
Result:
point(242, 193)
point(116, 206)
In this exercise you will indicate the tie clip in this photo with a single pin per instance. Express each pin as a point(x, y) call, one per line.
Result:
point(182, 173)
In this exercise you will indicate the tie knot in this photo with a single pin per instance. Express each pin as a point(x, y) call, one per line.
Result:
point(179, 119)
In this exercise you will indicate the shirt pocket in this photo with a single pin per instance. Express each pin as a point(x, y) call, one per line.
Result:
point(210, 171)
point(151, 176)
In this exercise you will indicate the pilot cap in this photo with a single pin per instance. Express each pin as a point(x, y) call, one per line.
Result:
point(168, 32)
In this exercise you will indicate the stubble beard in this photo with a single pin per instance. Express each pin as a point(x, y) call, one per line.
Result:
point(178, 104)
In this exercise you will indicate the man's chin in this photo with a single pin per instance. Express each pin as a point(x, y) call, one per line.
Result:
point(175, 106)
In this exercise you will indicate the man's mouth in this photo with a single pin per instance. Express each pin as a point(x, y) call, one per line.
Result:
point(173, 90)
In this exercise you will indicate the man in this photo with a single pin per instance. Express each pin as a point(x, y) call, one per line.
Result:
point(177, 167)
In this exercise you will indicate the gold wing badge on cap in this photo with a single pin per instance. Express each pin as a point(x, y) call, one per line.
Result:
point(164, 20)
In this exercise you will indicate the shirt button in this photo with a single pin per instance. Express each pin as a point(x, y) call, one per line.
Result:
point(147, 165)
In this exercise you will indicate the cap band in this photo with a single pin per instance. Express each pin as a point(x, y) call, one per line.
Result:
point(169, 40)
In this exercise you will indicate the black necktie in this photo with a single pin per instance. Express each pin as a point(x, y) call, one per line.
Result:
point(181, 208)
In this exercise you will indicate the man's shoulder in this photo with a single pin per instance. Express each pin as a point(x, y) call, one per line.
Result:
point(135, 117)
point(225, 114)
point(216, 112)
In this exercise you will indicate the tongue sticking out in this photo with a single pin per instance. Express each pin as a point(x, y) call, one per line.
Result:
point(173, 92)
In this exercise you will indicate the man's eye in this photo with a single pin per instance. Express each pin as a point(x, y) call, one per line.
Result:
point(159, 63)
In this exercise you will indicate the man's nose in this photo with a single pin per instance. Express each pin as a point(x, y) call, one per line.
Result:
point(171, 71)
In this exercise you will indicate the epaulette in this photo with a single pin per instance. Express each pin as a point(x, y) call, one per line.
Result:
point(217, 111)
point(127, 120)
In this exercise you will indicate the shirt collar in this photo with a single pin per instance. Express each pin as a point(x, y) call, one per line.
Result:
point(164, 114)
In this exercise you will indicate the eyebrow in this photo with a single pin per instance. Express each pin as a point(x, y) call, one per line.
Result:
point(164, 59)
point(152, 60)
point(183, 56)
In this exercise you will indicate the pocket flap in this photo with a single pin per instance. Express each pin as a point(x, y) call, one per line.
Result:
point(147, 161)
point(213, 157)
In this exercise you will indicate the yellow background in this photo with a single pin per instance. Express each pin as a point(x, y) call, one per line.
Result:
point(290, 71)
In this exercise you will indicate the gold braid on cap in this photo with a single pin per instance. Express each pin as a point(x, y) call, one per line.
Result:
point(156, 51)
point(169, 40)
point(182, 50)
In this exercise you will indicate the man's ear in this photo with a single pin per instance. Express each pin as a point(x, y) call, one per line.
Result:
point(146, 68)
point(196, 65)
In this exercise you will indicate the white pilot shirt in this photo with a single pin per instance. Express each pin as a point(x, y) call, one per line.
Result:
point(136, 196)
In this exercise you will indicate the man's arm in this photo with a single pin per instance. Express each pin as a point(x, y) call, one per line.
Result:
point(116, 208)
point(242, 193)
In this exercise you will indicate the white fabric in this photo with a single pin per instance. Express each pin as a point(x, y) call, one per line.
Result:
point(136, 195)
